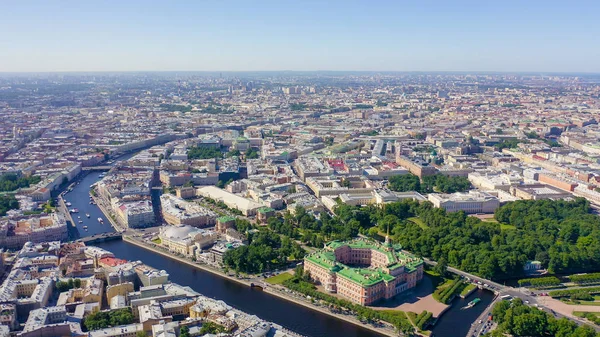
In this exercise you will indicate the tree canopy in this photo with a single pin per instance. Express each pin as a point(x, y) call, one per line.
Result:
point(560, 234)
point(516, 319)
point(8, 202)
point(436, 183)
point(105, 319)
point(265, 251)
point(203, 152)
point(10, 182)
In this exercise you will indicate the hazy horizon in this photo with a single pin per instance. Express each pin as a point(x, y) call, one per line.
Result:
point(344, 36)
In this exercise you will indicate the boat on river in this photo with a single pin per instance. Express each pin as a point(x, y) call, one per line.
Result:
point(100, 220)
point(87, 215)
point(473, 302)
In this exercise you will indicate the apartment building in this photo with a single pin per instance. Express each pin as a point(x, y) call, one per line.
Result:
point(15, 232)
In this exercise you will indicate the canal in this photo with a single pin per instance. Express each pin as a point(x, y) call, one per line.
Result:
point(453, 323)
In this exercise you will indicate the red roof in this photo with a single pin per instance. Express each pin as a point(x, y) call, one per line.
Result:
point(112, 261)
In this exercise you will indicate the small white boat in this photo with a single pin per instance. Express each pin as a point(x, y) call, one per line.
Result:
point(80, 221)
point(85, 227)
point(78, 217)
point(87, 215)
point(68, 203)
point(100, 220)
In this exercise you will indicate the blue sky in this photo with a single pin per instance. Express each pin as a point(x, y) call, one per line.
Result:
point(417, 35)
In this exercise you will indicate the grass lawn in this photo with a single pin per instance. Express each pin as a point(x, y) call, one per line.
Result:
point(279, 279)
point(507, 227)
point(446, 283)
point(419, 222)
point(468, 288)
point(490, 220)
point(597, 304)
point(590, 303)
point(412, 316)
point(583, 313)
point(400, 313)
point(157, 241)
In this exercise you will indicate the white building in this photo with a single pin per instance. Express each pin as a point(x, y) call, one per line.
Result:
point(177, 211)
point(135, 214)
point(494, 181)
point(186, 239)
point(246, 206)
point(471, 202)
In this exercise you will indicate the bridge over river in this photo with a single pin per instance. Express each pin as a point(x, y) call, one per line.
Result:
point(96, 168)
point(102, 237)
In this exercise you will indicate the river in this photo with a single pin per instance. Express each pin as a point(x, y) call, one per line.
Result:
point(453, 323)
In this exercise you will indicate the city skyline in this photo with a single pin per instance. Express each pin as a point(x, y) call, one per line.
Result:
point(337, 36)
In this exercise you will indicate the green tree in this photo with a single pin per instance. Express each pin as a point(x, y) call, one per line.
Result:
point(405, 183)
point(252, 154)
point(204, 152)
point(441, 267)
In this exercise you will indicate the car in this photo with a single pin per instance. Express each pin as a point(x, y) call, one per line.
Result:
point(526, 301)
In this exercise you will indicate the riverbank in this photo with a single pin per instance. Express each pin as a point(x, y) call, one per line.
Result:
point(275, 292)
point(107, 214)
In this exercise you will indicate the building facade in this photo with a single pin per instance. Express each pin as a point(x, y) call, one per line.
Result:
point(364, 271)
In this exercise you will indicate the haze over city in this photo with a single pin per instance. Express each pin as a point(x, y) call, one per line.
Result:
point(513, 36)
point(299, 169)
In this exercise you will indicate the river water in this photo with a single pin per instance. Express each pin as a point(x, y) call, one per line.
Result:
point(454, 323)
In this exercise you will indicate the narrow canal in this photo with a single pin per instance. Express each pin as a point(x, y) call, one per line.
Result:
point(455, 322)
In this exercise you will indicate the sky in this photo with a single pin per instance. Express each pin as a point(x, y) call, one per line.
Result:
point(305, 35)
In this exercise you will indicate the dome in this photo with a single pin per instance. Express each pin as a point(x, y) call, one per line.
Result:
point(178, 231)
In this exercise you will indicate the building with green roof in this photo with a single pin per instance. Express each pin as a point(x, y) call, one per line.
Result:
point(363, 270)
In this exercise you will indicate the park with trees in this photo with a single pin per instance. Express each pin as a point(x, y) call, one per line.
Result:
point(266, 250)
point(204, 152)
point(514, 318)
point(563, 235)
point(10, 182)
point(8, 202)
point(105, 319)
point(436, 183)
